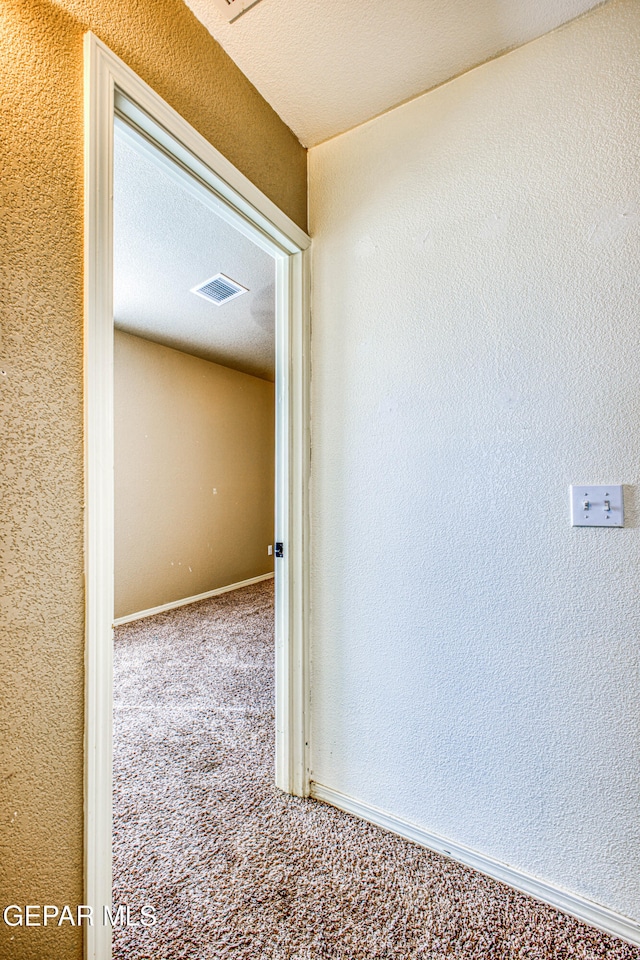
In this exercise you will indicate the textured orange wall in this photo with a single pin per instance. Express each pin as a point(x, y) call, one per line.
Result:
point(41, 469)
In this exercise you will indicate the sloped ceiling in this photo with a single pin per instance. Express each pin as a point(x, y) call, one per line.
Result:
point(165, 243)
point(327, 65)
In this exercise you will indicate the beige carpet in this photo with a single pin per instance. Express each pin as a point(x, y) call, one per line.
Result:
point(236, 869)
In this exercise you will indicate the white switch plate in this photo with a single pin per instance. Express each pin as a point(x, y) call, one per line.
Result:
point(597, 498)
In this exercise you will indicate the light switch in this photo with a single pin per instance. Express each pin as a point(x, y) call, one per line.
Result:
point(597, 506)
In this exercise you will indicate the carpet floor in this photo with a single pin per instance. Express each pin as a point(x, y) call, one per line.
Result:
point(235, 869)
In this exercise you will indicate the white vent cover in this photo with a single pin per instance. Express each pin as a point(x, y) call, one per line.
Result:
point(231, 9)
point(219, 289)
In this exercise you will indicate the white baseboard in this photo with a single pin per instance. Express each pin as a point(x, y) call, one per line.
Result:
point(572, 903)
point(183, 603)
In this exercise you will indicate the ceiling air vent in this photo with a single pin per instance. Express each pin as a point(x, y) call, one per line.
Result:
point(231, 9)
point(219, 289)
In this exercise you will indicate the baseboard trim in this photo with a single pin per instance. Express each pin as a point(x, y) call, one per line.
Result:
point(575, 905)
point(187, 600)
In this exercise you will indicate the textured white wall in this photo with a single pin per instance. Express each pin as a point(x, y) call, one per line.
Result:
point(476, 350)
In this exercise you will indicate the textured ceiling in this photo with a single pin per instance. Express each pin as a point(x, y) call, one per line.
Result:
point(327, 65)
point(167, 241)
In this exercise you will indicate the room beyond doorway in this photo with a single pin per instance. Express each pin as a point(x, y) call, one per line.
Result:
point(194, 391)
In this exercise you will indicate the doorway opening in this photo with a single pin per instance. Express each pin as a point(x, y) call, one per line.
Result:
point(194, 391)
point(194, 445)
point(116, 96)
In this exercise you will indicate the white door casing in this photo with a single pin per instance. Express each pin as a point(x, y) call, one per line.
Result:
point(113, 91)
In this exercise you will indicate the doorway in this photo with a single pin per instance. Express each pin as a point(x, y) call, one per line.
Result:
point(194, 384)
point(113, 93)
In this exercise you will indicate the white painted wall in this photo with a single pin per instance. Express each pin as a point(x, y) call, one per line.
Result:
point(476, 349)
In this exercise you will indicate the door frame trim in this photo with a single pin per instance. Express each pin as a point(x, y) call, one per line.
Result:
point(112, 89)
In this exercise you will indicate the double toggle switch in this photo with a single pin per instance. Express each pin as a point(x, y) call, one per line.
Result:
point(607, 506)
point(597, 506)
